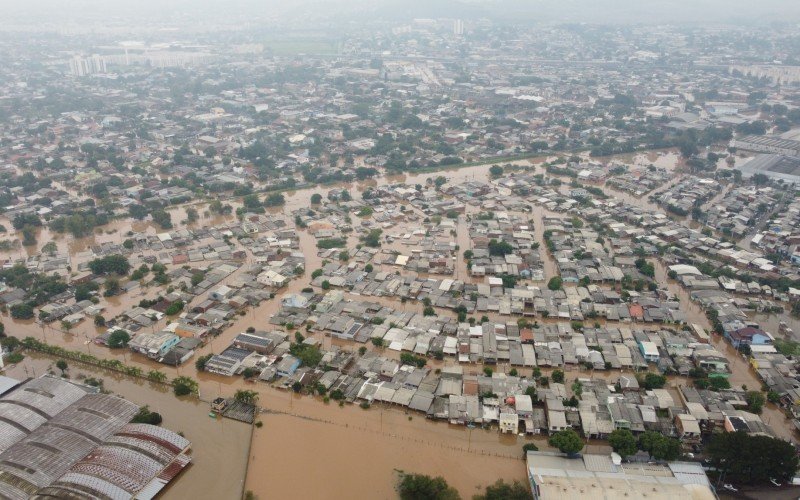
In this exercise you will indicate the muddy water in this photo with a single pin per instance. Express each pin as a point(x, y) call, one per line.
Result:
point(743, 375)
point(373, 442)
point(354, 452)
point(694, 313)
point(360, 462)
point(219, 446)
point(771, 323)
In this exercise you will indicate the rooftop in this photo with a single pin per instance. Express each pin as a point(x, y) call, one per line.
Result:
point(553, 475)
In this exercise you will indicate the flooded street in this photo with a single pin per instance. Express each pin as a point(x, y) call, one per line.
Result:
point(360, 462)
point(354, 453)
point(350, 452)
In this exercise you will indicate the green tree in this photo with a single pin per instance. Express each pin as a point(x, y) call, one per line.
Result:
point(145, 416)
point(245, 396)
point(183, 386)
point(112, 286)
point(659, 446)
point(174, 308)
point(200, 363)
point(555, 283)
point(496, 170)
point(309, 355)
point(501, 490)
point(156, 376)
point(500, 248)
point(162, 218)
point(558, 376)
point(274, 200)
point(26, 220)
point(528, 447)
point(316, 199)
point(718, 383)
point(111, 264)
point(22, 311)
point(28, 236)
point(99, 320)
point(118, 339)
point(198, 278)
point(753, 459)
point(623, 442)
point(137, 212)
point(653, 381)
point(755, 401)
point(62, 365)
point(372, 239)
point(50, 248)
point(422, 487)
point(567, 441)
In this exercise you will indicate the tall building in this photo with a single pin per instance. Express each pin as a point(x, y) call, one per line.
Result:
point(458, 27)
point(82, 66)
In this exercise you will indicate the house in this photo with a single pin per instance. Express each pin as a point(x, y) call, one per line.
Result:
point(223, 365)
point(154, 345)
point(294, 300)
point(288, 365)
point(711, 360)
point(194, 331)
point(219, 405)
point(256, 342)
point(556, 418)
point(688, 428)
point(509, 423)
point(628, 383)
point(272, 278)
point(649, 351)
point(221, 293)
point(748, 336)
point(181, 353)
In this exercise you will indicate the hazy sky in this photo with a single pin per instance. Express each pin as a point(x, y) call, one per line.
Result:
point(593, 11)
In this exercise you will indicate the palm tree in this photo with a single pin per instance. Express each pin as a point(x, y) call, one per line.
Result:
point(245, 396)
point(156, 376)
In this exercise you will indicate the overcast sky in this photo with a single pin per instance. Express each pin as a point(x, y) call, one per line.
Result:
point(593, 11)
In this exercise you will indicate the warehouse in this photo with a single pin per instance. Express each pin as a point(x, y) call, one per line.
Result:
point(80, 444)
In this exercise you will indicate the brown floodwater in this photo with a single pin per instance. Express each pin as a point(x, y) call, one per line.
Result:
point(348, 451)
point(355, 453)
